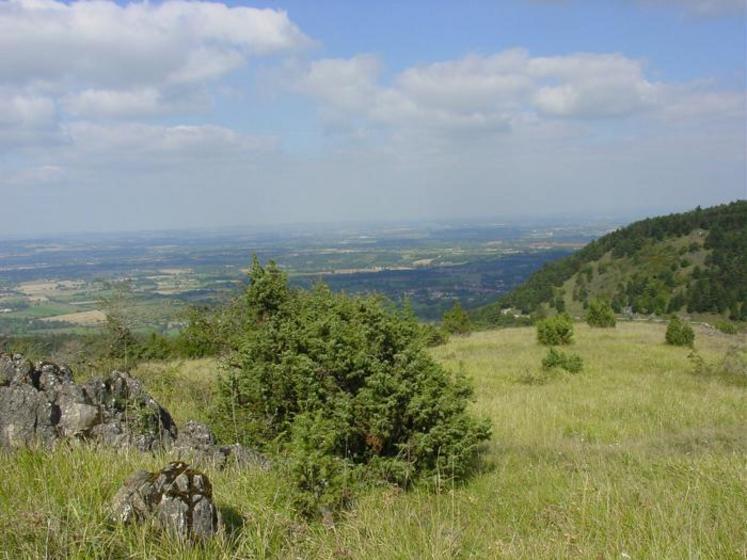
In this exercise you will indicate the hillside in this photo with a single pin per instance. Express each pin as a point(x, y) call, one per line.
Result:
point(634, 457)
point(694, 262)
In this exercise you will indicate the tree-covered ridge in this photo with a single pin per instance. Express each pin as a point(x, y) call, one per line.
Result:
point(694, 261)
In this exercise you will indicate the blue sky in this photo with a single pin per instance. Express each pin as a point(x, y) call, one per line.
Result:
point(206, 114)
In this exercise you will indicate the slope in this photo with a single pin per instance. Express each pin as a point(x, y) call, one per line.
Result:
point(693, 262)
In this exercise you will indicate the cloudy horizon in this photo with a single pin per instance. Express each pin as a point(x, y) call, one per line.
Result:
point(171, 115)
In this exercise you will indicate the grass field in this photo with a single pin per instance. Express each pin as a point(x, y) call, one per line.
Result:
point(634, 458)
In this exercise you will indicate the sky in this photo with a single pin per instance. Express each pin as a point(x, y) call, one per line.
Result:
point(172, 115)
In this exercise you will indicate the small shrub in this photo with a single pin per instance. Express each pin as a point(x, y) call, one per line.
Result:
point(679, 333)
point(600, 314)
point(555, 331)
point(731, 368)
point(456, 320)
point(570, 362)
point(727, 327)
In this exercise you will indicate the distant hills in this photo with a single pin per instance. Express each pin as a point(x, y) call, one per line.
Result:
point(694, 262)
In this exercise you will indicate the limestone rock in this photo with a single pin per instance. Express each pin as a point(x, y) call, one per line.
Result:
point(197, 444)
point(26, 417)
point(178, 498)
point(41, 403)
point(129, 415)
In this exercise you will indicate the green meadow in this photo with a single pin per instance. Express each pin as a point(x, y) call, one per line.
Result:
point(636, 457)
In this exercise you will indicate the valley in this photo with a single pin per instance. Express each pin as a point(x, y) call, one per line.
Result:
point(57, 285)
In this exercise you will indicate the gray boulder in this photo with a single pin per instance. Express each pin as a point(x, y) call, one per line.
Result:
point(177, 498)
point(26, 417)
point(197, 444)
point(128, 414)
point(40, 404)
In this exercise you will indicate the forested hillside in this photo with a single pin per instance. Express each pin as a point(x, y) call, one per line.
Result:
point(693, 262)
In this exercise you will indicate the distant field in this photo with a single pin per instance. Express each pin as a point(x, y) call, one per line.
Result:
point(430, 265)
point(634, 458)
point(80, 318)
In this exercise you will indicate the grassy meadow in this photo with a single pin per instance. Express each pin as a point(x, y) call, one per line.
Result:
point(634, 458)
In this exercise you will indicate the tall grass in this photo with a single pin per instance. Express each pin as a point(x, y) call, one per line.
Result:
point(633, 458)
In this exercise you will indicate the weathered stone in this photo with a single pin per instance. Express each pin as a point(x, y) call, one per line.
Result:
point(77, 416)
point(129, 415)
point(197, 444)
point(7, 370)
point(26, 417)
point(243, 457)
point(195, 435)
point(203, 517)
point(130, 503)
point(41, 403)
point(173, 515)
point(179, 498)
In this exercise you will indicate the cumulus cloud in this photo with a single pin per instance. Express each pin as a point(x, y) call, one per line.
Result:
point(106, 59)
point(502, 91)
point(105, 44)
point(485, 92)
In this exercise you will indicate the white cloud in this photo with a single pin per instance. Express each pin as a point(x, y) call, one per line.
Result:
point(43, 174)
point(591, 85)
point(107, 102)
point(25, 111)
point(101, 43)
point(484, 92)
point(499, 92)
point(26, 120)
point(348, 84)
point(115, 60)
point(147, 144)
point(124, 103)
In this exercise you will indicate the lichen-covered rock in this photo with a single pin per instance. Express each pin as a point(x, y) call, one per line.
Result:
point(41, 403)
point(7, 369)
point(26, 417)
point(129, 415)
point(178, 498)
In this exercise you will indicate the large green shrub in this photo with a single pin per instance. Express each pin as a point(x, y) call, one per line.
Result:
point(555, 331)
point(600, 314)
point(345, 389)
point(679, 333)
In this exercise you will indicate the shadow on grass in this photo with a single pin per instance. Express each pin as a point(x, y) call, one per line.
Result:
point(232, 520)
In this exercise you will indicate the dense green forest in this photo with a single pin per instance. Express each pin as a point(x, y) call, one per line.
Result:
point(693, 261)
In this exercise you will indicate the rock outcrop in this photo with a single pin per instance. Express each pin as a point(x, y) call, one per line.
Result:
point(177, 498)
point(197, 444)
point(40, 404)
